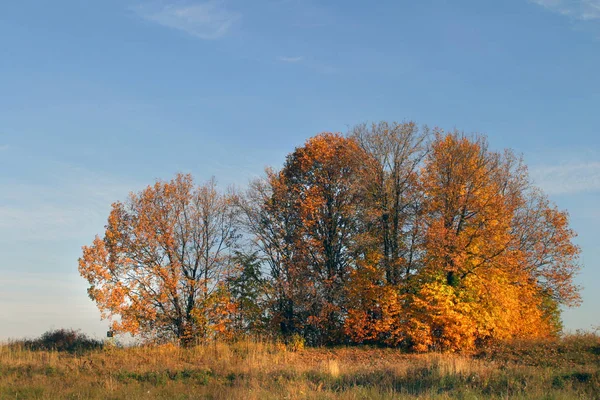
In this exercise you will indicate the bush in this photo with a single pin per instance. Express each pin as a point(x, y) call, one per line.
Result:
point(68, 340)
point(295, 343)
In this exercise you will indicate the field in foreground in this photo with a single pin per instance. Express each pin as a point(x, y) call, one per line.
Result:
point(565, 369)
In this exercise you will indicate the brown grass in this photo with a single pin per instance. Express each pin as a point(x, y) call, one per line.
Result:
point(261, 370)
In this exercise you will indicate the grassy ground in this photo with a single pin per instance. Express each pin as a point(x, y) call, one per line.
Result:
point(566, 369)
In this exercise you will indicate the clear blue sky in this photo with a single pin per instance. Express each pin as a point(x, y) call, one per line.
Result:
point(101, 98)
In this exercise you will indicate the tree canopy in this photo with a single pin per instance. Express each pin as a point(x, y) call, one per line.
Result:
point(162, 263)
point(393, 235)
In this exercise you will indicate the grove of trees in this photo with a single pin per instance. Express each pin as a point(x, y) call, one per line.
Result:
point(391, 235)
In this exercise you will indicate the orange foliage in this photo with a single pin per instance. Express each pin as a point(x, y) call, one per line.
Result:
point(157, 272)
point(476, 282)
point(315, 196)
point(379, 238)
point(491, 259)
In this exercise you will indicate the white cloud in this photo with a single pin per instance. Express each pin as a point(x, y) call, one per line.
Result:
point(290, 59)
point(4, 147)
point(568, 178)
point(584, 10)
point(207, 20)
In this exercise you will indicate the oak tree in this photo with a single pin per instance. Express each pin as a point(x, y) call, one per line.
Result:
point(159, 269)
point(494, 252)
point(305, 223)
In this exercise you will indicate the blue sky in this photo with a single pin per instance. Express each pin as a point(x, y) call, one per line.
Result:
point(101, 98)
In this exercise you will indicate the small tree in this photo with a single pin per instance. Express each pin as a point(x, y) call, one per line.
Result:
point(248, 288)
point(160, 267)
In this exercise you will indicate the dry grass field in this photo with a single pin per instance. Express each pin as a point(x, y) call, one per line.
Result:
point(564, 369)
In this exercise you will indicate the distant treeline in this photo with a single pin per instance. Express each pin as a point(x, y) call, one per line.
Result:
point(392, 235)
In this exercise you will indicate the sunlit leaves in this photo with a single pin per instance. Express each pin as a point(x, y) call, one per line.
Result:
point(158, 271)
point(381, 237)
point(490, 257)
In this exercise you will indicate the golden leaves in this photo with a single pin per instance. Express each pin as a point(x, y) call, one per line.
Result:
point(374, 238)
point(156, 269)
point(491, 253)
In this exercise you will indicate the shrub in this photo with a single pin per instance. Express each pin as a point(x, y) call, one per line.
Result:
point(295, 343)
point(68, 340)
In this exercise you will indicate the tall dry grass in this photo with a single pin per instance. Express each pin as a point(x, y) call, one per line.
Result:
point(266, 370)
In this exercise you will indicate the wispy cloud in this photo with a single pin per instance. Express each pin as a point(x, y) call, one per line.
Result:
point(206, 20)
point(584, 10)
point(568, 178)
point(4, 147)
point(290, 59)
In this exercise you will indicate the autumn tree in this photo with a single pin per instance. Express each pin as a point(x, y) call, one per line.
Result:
point(390, 236)
point(494, 253)
point(305, 223)
point(542, 236)
point(390, 241)
point(160, 267)
point(322, 174)
point(459, 245)
point(391, 199)
point(274, 226)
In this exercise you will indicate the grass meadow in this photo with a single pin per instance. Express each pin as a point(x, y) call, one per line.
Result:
point(568, 368)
